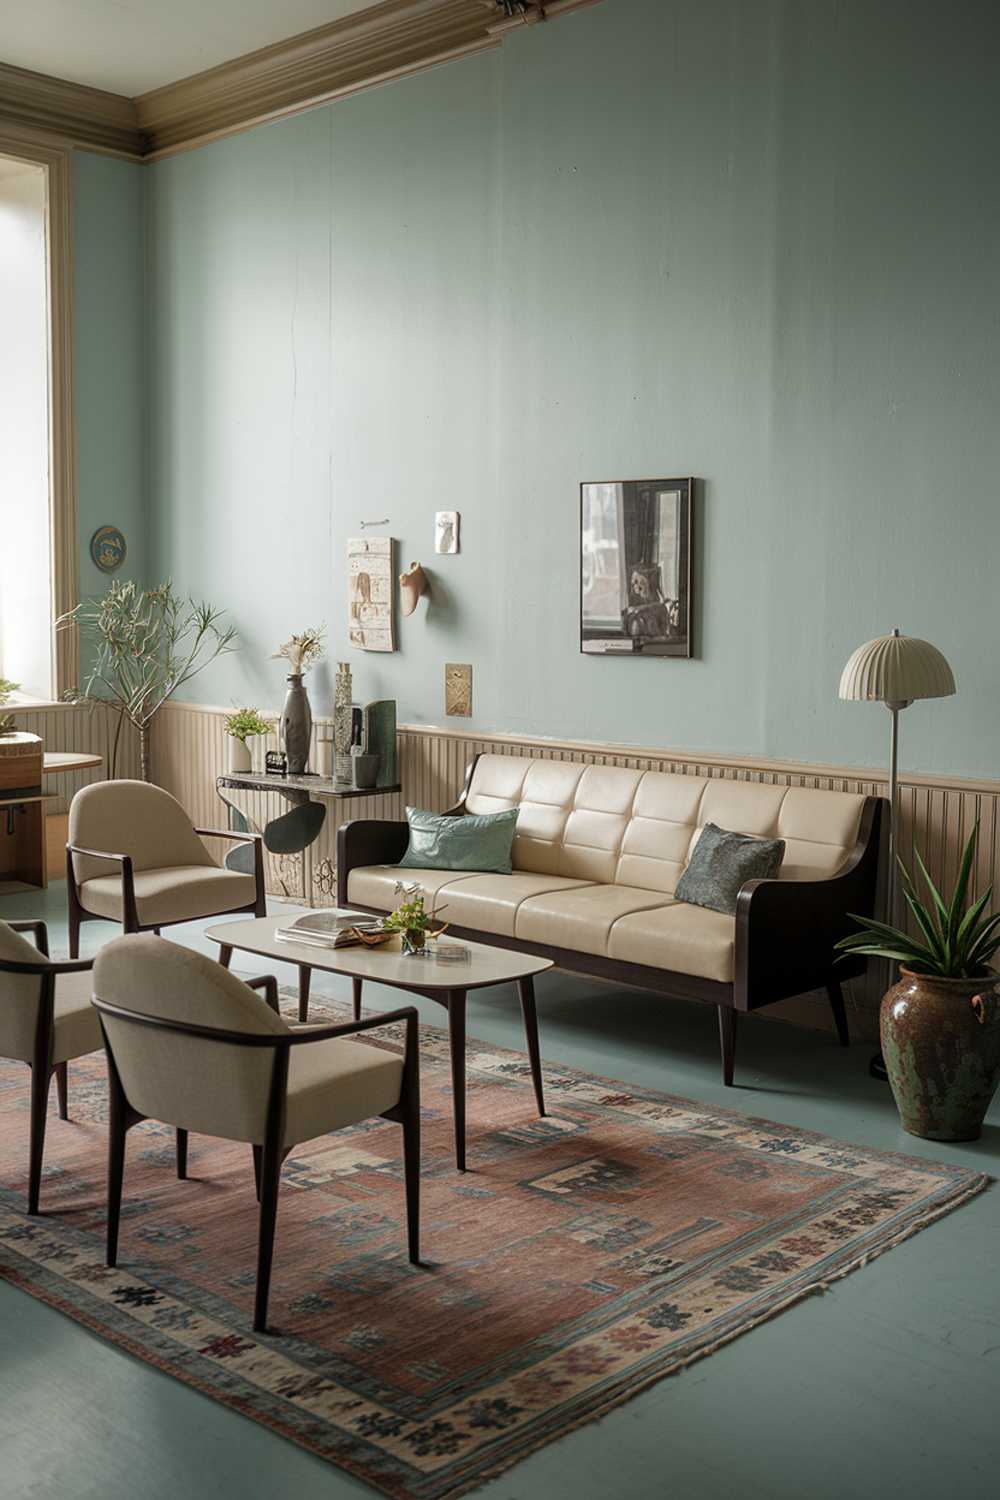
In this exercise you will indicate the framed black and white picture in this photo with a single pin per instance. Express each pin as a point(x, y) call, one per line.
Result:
point(635, 567)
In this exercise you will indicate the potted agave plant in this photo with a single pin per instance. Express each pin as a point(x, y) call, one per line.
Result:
point(940, 1025)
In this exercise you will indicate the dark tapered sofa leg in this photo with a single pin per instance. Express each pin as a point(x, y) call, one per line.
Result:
point(727, 1038)
point(839, 1009)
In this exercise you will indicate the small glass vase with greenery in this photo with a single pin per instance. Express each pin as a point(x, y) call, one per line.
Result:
point(7, 690)
point(411, 919)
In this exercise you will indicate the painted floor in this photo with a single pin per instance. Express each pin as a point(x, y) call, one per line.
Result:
point(887, 1383)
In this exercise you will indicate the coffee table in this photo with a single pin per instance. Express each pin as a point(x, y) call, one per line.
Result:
point(447, 983)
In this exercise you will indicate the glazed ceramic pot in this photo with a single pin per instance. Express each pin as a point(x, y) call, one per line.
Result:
point(941, 1043)
point(295, 729)
point(240, 761)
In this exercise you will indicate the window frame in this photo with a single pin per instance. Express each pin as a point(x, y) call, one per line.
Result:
point(56, 159)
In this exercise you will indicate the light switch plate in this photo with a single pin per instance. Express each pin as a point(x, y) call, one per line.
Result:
point(458, 689)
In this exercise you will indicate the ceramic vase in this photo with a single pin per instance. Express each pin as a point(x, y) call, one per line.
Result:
point(295, 729)
point(941, 1043)
point(238, 760)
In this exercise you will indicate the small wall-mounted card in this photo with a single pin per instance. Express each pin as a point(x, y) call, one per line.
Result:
point(446, 524)
point(458, 689)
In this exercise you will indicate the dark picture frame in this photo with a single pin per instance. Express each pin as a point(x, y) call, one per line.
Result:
point(636, 552)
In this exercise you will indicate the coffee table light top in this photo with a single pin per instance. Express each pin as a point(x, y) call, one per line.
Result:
point(385, 964)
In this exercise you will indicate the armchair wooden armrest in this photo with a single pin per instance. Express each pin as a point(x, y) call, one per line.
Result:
point(257, 840)
point(38, 928)
point(367, 842)
point(269, 985)
point(130, 913)
point(46, 965)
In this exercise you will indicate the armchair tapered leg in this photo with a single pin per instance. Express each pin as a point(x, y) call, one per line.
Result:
point(258, 1152)
point(40, 1078)
point(182, 1153)
point(62, 1090)
point(357, 986)
point(270, 1177)
point(411, 1172)
point(117, 1130)
point(836, 997)
point(74, 929)
point(727, 1038)
point(305, 976)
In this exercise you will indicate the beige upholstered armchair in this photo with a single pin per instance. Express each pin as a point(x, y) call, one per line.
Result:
point(46, 1019)
point(133, 857)
point(191, 1045)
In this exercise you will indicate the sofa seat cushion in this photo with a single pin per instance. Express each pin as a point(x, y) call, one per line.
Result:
point(687, 939)
point(490, 903)
point(176, 894)
point(374, 885)
point(581, 919)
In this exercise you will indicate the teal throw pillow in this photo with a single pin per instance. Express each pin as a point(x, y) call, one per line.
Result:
point(477, 841)
point(722, 863)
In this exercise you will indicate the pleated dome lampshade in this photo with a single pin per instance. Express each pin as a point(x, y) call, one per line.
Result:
point(896, 669)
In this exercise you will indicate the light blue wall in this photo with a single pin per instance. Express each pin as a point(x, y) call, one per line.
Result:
point(109, 357)
point(758, 243)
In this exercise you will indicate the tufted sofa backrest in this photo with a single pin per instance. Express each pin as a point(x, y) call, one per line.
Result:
point(617, 826)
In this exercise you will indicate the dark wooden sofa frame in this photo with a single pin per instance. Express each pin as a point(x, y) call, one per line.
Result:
point(785, 929)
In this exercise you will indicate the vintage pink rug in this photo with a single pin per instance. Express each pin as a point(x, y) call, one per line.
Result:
point(581, 1258)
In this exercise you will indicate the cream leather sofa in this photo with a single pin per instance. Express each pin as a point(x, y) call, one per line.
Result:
point(597, 856)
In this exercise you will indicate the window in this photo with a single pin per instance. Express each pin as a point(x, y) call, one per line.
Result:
point(37, 504)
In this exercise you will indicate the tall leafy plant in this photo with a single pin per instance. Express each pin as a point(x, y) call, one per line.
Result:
point(956, 940)
point(144, 645)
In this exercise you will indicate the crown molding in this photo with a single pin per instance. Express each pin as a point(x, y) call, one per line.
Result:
point(389, 40)
point(43, 108)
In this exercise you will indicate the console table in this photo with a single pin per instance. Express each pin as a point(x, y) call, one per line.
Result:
point(298, 817)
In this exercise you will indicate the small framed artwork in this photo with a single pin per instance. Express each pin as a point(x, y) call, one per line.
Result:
point(108, 548)
point(371, 601)
point(635, 567)
point(446, 524)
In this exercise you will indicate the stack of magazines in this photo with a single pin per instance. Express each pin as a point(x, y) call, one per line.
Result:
point(334, 929)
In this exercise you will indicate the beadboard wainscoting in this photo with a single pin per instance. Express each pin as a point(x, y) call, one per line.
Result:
point(937, 813)
point(86, 730)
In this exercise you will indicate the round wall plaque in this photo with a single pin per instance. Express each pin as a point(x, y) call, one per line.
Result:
point(107, 548)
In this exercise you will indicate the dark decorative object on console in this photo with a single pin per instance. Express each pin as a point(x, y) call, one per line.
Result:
point(275, 763)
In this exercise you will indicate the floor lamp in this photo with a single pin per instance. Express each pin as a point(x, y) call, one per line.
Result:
point(895, 670)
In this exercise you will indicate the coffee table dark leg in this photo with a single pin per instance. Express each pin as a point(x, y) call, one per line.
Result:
point(225, 954)
point(526, 986)
point(356, 986)
point(305, 975)
point(456, 1032)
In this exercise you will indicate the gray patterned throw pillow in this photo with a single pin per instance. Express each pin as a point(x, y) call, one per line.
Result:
point(722, 862)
